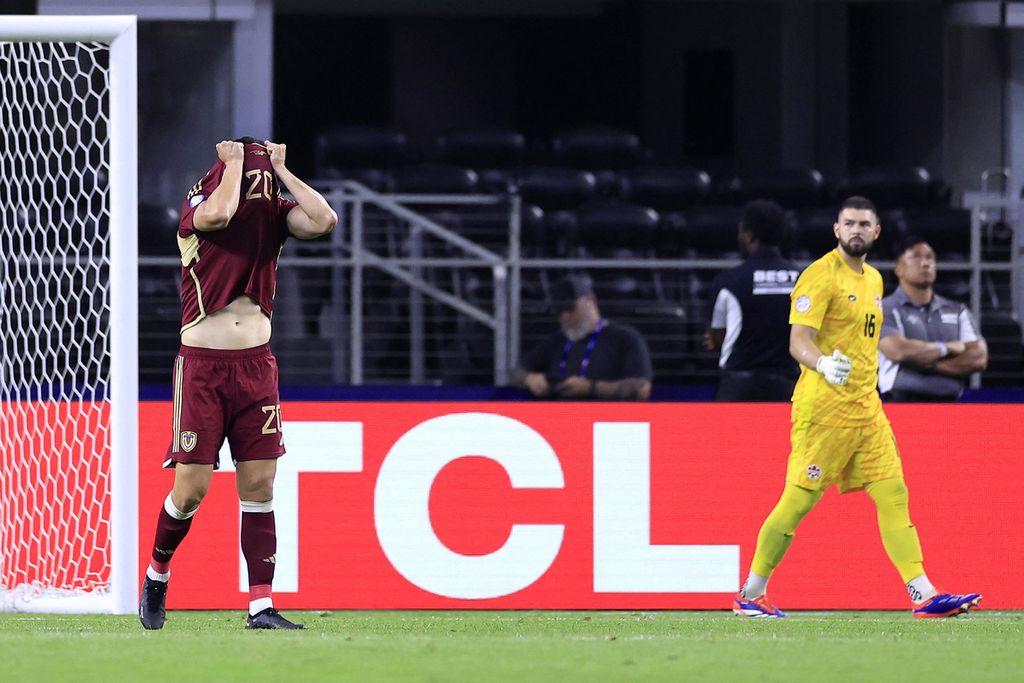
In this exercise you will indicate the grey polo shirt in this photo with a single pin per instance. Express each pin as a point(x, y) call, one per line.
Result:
point(940, 320)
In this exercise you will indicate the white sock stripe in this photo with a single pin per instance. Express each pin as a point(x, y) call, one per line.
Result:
point(157, 576)
point(173, 510)
point(257, 506)
point(258, 605)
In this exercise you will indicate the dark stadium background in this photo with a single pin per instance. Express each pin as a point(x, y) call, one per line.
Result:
point(730, 87)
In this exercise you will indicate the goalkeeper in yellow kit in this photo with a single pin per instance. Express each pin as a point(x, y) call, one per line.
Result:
point(840, 435)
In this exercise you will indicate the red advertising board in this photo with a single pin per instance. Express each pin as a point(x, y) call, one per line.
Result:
point(588, 506)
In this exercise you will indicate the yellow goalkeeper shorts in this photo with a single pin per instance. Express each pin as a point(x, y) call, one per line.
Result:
point(848, 457)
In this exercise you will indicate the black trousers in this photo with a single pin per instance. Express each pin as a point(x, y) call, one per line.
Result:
point(916, 397)
point(746, 386)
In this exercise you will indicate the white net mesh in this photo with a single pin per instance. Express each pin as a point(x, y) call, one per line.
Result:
point(54, 319)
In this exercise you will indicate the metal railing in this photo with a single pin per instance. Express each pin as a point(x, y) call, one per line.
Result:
point(426, 289)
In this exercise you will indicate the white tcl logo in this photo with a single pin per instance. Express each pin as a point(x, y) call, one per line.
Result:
point(624, 559)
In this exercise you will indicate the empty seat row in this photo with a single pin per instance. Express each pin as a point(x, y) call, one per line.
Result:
point(609, 227)
point(606, 161)
point(661, 187)
point(383, 147)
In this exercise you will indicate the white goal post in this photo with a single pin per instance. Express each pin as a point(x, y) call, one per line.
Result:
point(68, 314)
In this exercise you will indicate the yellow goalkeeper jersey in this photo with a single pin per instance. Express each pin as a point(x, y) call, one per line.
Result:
point(846, 309)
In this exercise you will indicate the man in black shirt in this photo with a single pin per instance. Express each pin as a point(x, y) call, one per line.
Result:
point(591, 357)
point(750, 319)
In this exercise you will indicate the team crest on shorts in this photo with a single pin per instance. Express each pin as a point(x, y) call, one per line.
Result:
point(188, 441)
point(813, 472)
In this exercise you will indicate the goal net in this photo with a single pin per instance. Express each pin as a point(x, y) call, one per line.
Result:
point(68, 386)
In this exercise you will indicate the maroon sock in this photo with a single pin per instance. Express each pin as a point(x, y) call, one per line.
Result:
point(169, 534)
point(259, 544)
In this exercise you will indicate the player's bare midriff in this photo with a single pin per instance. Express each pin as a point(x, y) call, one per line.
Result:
point(241, 324)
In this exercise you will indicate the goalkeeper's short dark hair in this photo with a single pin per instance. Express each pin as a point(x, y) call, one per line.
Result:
point(860, 204)
point(765, 221)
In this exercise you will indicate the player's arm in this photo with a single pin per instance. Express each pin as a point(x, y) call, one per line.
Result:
point(835, 368)
point(217, 210)
point(802, 346)
point(713, 338)
point(726, 309)
point(313, 217)
point(917, 352)
point(973, 359)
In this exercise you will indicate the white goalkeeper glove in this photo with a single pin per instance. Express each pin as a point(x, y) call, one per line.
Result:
point(835, 368)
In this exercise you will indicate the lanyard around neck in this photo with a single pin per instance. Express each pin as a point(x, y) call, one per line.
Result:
point(585, 363)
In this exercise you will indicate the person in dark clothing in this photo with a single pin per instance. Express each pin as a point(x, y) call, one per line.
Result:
point(750, 318)
point(590, 357)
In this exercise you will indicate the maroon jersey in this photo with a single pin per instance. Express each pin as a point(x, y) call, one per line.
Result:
point(219, 266)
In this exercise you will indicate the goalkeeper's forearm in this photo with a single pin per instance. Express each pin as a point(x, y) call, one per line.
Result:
point(802, 347)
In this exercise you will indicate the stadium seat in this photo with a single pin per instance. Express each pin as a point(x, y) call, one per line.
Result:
point(436, 179)
point(607, 228)
point(491, 152)
point(339, 149)
point(607, 225)
point(664, 188)
point(663, 326)
point(376, 179)
point(953, 284)
point(947, 230)
point(597, 147)
point(532, 233)
point(894, 228)
point(890, 187)
point(1003, 336)
point(792, 188)
point(159, 293)
point(556, 188)
point(158, 225)
point(482, 148)
point(814, 234)
point(711, 231)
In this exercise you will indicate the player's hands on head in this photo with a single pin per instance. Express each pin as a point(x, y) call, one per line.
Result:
point(229, 150)
point(835, 368)
point(277, 153)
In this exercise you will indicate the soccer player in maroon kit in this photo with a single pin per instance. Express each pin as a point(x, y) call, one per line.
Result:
point(234, 223)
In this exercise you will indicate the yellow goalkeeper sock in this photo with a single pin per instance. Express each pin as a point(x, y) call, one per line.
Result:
point(899, 536)
point(777, 531)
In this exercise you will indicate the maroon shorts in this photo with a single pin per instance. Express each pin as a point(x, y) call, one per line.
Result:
point(220, 393)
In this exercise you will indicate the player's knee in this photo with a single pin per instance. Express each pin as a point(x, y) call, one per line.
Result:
point(188, 500)
point(799, 500)
point(179, 506)
point(256, 488)
point(889, 491)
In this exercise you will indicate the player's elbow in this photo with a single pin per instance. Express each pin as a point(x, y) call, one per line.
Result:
point(794, 350)
point(321, 224)
point(212, 220)
point(328, 221)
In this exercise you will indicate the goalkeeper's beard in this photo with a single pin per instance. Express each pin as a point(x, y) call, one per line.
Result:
point(857, 250)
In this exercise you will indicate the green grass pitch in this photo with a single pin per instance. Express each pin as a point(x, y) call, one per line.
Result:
point(534, 647)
